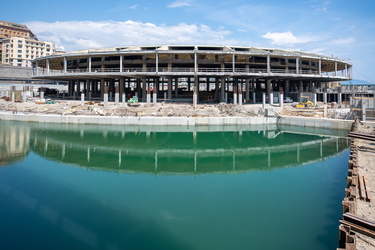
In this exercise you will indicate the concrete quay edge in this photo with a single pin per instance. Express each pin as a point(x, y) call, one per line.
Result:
point(178, 121)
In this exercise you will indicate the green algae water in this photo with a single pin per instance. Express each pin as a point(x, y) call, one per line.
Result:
point(113, 187)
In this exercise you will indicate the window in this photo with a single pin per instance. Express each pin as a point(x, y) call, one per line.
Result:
point(19, 56)
point(20, 46)
point(19, 51)
point(19, 41)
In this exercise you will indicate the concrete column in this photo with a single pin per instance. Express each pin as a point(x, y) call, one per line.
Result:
point(176, 87)
point(82, 98)
point(144, 89)
point(339, 101)
point(105, 97)
point(268, 64)
point(195, 92)
point(154, 97)
point(217, 95)
point(271, 97)
point(240, 94)
point(123, 98)
point(65, 65)
point(254, 97)
point(41, 94)
point(281, 100)
point(315, 96)
point(148, 98)
point(324, 94)
point(263, 100)
point(48, 67)
point(121, 63)
point(13, 97)
point(117, 95)
point(170, 88)
point(234, 92)
point(88, 87)
point(287, 87)
point(122, 86)
point(268, 87)
point(247, 90)
point(89, 64)
point(102, 88)
point(297, 65)
point(222, 90)
point(363, 110)
point(24, 97)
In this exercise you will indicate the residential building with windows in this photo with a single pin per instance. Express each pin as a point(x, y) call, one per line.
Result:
point(20, 51)
point(9, 29)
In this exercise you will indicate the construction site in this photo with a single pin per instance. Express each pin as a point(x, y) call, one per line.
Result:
point(200, 82)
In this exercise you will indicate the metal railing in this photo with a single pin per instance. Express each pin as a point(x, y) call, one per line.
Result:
point(44, 71)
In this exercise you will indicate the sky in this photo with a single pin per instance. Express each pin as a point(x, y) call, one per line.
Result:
point(339, 28)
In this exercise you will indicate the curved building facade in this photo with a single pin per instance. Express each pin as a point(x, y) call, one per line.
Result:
point(192, 72)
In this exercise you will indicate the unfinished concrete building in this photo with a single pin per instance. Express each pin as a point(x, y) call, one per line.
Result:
point(193, 72)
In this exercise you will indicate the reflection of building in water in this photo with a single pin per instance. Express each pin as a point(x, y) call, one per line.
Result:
point(14, 143)
point(188, 153)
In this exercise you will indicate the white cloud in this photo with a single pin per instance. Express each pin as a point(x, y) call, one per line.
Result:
point(179, 3)
point(284, 38)
point(344, 41)
point(77, 35)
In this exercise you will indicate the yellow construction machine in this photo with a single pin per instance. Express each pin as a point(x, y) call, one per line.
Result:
point(305, 102)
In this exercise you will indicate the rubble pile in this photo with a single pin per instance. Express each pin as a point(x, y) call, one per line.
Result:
point(61, 107)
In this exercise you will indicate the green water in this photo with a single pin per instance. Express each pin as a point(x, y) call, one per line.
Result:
point(108, 187)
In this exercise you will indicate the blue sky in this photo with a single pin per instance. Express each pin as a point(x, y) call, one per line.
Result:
point(340, 28)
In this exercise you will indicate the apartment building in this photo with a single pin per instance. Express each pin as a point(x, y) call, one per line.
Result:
point(19, 51)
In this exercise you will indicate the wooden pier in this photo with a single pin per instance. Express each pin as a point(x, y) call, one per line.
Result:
point(357, 226)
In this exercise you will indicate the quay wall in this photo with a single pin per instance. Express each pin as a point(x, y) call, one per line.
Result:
point(179, 121)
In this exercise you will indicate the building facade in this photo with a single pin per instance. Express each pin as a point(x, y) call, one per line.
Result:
point(197, 72)
point(20, 51)
point(9, 29)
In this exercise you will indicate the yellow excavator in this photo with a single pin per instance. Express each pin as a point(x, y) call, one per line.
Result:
point(305, 102)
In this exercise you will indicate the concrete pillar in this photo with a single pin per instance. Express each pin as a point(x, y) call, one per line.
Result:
point(287, 87)
point(170, 88)
point(41, 94)
point(324, 94)
point(176, 87)
point(339, 97)
point(13, 97)
point(148, 97)
point(315, 96)
point(195, 92)
point(117, 95)
point(268, 87)
point(271, 97)
point(122, 86)
point(263, 100)
point(102, 87)
point(247, 90)
point(234, 92)
point(154, 97)
point(82, 98)
point(254, 97)
point(222, 90)
point(123, 98)
point(24, 97)
point(281, 97)
point(240, 96)
point(144, 89)
point(105, 96)
point(363, 110)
